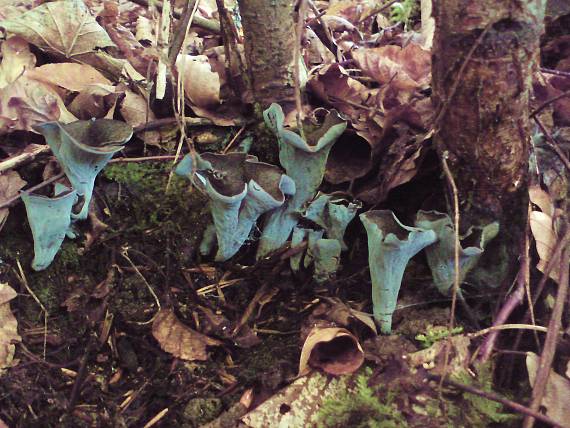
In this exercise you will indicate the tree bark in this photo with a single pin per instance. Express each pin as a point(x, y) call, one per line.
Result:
point(269, 34)
point(484, 126)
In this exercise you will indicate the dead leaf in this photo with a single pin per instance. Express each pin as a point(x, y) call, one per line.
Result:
point(8, 327)
point(334, 350)
point(545, 237)
point(10, 184)
point(557, 391)
point(95, 101)
point(2, 424)
point(541, 199)
point(136, 112)
point(13, 8)
point(180, 340)
point(27, 102)
point(16, 58)
point(405, 68)
point(201, 84)
point(302, 400)
point(68, 75)
point(63, 28)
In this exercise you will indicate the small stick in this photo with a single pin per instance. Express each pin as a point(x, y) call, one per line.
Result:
point(24, 281)
point(548, 102)
point(11, 201)
point(181, 31)
point(549, 349)
point(156, 418)
point(552, 143)
point(556, 72)
point(23, 158)
point(297, 71)
point(494, 397)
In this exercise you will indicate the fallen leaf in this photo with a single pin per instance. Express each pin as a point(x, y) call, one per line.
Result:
point(541, 199)
point(16, 58)
point(8, 327)
point(297, 405)
point(180, 340)
point(405, 68)
point(27, 102)
point(2, 424)
point(136, 112)
point(10, 184)
point(545, 237)
point(334, 350)
point(64, 28)
point(201, 84)
point(68, 75)
point(557, 391)
point(13, 8)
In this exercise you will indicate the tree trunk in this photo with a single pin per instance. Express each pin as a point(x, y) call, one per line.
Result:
point(485, 128)
point(269, 34)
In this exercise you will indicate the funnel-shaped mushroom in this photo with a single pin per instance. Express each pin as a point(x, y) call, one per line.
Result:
point(326, 253)
point(441, 255)
point(333, 214)
point(240, 190)
point(390, 247)
point(303, 160)
point(299, 235)
point(83, 148)
point(50, 219)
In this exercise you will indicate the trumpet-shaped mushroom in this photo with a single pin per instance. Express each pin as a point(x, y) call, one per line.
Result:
point(391, 245)
point(300, 235)
point(240, 190)
point(303, 160)
point(49, 219)
point(326, 253)
point(83, 148)
point(333, 214)
point(441, 255)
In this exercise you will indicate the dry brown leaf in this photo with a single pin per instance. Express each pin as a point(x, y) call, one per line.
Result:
point(10, 184)
point(557, 391)
point(541, 199)
point(135, 111)
point(95, 101)
point(64, 28)
point(16, 58)
point(180, 340)
point(302, 399)
point(14, 8)
point(8, 327)
point(334, 350)
point(201, 84)
point(405, 68)
point(2, 424)
point(68, 75)
point(542, 227)
point(27, 102)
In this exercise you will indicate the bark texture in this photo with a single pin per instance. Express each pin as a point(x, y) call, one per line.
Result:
point(268, 28)
point(486, 128)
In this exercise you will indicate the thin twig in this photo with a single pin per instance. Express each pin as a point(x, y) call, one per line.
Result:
point(377, 11)
point(552, 143)
point(545, 364)
point(456, 243)
point(233, 140)
point(494, 397)
point(16, 198)
point(297, 66)
point(556, 72)
point(508, 327)
point(548, 102)
point(180, 32)
point(22, 158)
point(24, 281)
point(198, 21)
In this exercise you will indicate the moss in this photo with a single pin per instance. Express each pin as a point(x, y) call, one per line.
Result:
point(200, 411)
point(435, 334)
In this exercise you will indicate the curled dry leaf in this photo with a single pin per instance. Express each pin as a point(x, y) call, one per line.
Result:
point(63, 28)
point(404, 68)
point(68, 75)
point(26, 102)
point(334, 350)
point(135, 111)
point(545, 237)
point(557, 391)
point(10, 184)
point(180, 340)
point(541, 199)
point(16, 58)
point(8, 327)
point(201, 84)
